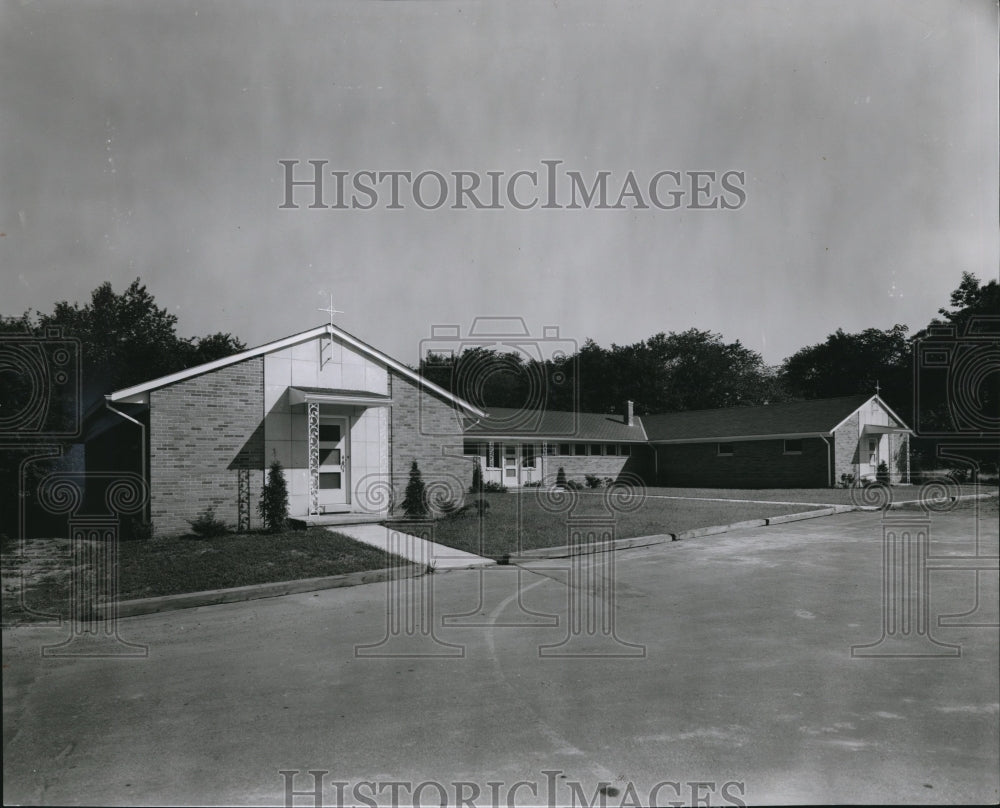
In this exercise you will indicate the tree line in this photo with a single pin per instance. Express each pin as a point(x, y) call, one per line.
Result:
point(694, 369)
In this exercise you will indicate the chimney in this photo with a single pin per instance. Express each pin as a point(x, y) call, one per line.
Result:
point(629, 412)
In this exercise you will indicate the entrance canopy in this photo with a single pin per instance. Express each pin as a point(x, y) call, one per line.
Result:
point(326, 395)
point(880, 429)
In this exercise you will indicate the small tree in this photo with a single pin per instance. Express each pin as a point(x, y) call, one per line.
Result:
point(882, 473)
point(561, 478)
point(477, 478)
point(415, 501)
point(273, 507)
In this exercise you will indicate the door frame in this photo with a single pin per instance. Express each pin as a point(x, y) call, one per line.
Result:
point(343, 497)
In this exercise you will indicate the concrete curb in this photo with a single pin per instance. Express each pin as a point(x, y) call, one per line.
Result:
point(714, 529)
point(212, 597)
point(566, 550)
point(894, 506)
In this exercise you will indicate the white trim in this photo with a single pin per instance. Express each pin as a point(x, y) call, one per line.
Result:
point(137, 394)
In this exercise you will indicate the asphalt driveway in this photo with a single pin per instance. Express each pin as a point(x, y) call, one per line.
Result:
point(724, 673)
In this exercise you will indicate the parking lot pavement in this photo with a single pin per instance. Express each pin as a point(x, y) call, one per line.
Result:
point(724, 671)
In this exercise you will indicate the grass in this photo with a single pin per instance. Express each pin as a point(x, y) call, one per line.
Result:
point(528, 520)
point(175, 566)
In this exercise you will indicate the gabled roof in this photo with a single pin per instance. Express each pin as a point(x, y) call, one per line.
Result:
point(815, 417)
point(139, 393)
point(550, 425)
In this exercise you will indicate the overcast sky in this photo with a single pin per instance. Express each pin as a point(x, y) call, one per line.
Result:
point(143, 139)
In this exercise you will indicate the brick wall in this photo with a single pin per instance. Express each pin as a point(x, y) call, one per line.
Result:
point(845, 445)
point(202, 432)
point(577, 467)
point(754, 464)
point(421, 425)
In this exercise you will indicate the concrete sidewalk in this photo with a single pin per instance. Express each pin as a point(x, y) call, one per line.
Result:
point(413, 548)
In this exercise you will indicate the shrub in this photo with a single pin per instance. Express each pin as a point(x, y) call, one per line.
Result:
point(561, 478)
point(609, 481)
point(273, 506)
point(846, 480)
point(206, 525)
point(882, 473)
point(574, 485)
point(535, 484)
point(494, 488)
point(477, 478)
point(593, 481)
point(415, 501)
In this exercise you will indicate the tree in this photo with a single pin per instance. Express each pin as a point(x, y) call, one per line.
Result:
point(273, 505)
point(415, 500)
point(846, 364)
point(127, 339)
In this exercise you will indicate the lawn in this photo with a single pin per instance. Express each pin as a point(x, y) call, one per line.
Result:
point(174, 566)
point(531, 519)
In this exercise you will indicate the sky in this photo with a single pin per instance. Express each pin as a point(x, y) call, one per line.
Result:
point(143, 139)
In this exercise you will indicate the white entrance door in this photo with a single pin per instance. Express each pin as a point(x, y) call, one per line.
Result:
point(510, 465)
point(334, 462)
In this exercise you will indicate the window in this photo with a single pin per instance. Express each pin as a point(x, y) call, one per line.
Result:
point(510, 450)
point(528, 456)
point(329, 480)
point(471, 448)
point(579, 448)
point(726, 450)
point(793, 446)
point(551, 449)
point(565, 449)
point(596, 449)
point(626, 449)
point(492, 455)
point(329, 432)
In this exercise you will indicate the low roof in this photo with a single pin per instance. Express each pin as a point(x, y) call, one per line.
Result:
point(556, 425)
point(819, 416)
point(138, 393)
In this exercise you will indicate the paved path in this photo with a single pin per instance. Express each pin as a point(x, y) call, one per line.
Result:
point(413, 548)
point(745, 677)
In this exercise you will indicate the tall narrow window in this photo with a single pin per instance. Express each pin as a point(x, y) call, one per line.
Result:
point(726, 450)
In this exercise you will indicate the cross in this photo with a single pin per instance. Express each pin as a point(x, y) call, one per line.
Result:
point(331, 311)
point(877, 388)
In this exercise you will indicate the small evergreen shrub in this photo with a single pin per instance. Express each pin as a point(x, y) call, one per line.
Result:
point(477, 478)
point(846, 480)
point(882, 473)
point(494, 488)
point(206, 525)
point(273, 506)
point(561, 478)
point(415, 501)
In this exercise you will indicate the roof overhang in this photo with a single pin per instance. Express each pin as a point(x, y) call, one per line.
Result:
point(880, 429)
point(734, 438)
point(355, 398)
